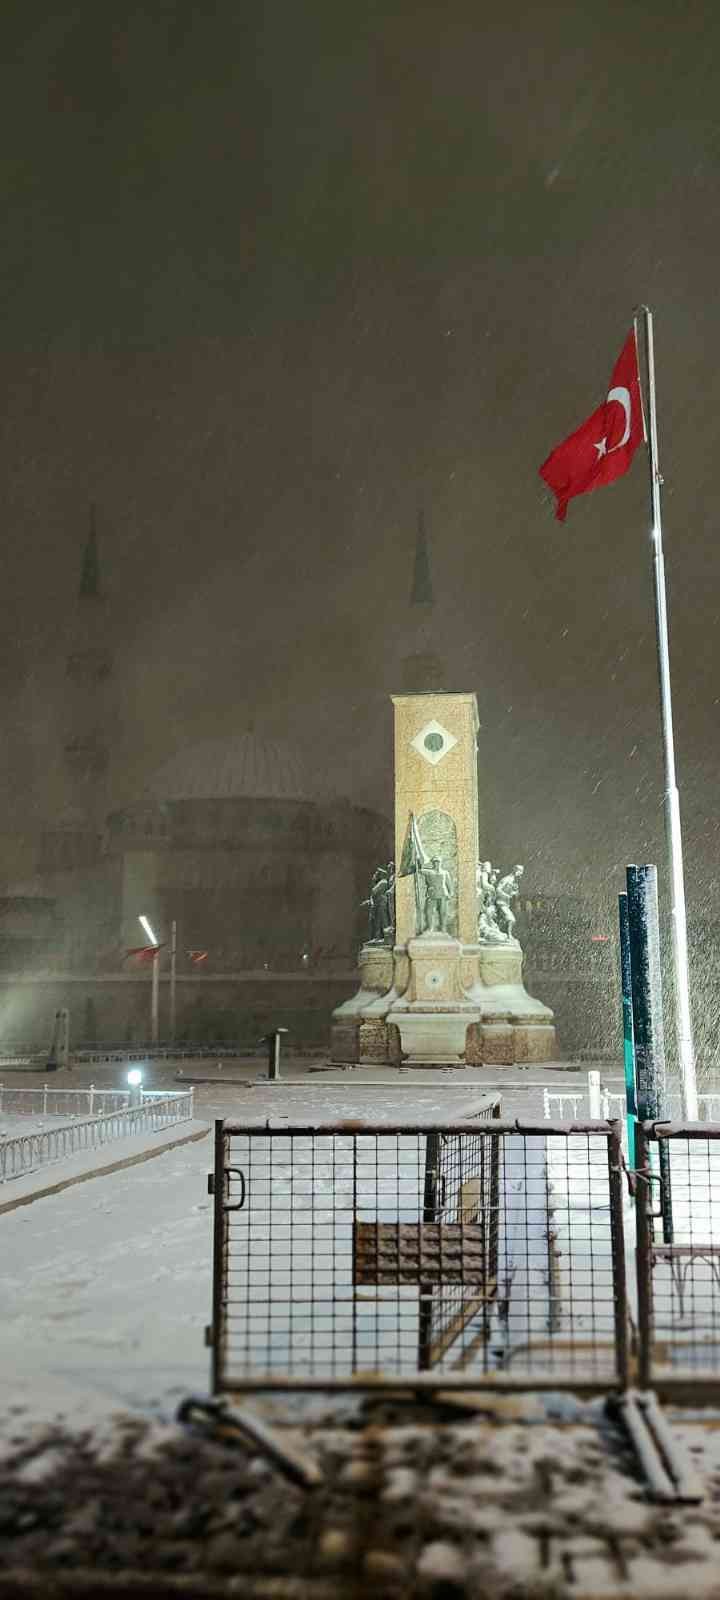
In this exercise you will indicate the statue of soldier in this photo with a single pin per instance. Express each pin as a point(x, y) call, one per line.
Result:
point(486, 883)
point(378, 906)
point(507, 890)
point(390, 874)
point(438, 889)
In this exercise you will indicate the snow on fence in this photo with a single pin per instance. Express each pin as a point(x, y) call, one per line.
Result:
point(23, 1154)
point(50, 1101)
point(598, 1100)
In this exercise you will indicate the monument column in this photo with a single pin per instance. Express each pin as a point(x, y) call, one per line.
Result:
point(436, 781)
point(436, 852)
point(440, 971)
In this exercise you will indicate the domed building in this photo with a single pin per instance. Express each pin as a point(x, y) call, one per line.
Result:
point(232, 841)
point(232, 844)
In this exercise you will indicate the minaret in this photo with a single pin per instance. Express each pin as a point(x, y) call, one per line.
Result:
point(422, 667)
point(88, 668)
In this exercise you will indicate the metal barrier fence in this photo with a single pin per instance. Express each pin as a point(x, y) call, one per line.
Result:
point(23, 1054)
point(595, 1099)
point(365, 1254)
point(678, 1256)
point(599, 1099)
point(25, 1153)
point(49, 1101)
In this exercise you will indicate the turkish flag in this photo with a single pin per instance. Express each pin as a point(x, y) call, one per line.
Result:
point(602, 449)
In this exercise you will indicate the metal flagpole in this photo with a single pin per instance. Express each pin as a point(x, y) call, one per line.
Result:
point(683, 1022)
point(173, 977)
point(155, 1004)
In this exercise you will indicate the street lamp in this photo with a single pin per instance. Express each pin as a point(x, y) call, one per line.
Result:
point(135, 1079)
point(155, 1002)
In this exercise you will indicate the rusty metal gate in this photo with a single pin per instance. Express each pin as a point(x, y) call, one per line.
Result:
point(368, 1254)
point(460, 1215)
point(678, 1277)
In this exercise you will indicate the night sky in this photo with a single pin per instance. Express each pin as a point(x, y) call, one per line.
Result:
point(276, 276)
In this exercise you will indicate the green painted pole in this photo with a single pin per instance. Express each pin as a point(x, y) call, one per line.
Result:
point(648, 1030)
point(628, 1040)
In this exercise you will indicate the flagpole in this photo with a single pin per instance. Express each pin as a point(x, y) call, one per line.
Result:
point(683, 1021)
point(173, 977)
point(155, 1000)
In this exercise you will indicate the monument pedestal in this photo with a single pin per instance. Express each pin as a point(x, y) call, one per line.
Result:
point(439, 1002)
point(358, 1029)
point(514, 1026)
point(433, 1013)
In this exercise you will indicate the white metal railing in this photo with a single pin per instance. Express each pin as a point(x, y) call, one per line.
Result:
point(598, 1100)
point(65, 1102)
point(18, 1101)
point(564, 1104)
point(24, 1153)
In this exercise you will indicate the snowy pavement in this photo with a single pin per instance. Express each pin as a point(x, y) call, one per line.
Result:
point(106, 1286)
point(106, 1289)
point(421, 1502)
point(106, 1292)
point(13, 1126)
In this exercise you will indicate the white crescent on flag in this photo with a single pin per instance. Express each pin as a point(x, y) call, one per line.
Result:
point(622, 395)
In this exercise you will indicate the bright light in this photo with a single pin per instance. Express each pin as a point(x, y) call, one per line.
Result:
point(134, 1077)
point(147, 930)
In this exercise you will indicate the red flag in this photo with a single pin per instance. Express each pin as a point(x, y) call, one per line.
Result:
point(196, 956)
point(602, 449)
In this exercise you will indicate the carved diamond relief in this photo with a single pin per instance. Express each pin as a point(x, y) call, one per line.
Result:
point(433, 742)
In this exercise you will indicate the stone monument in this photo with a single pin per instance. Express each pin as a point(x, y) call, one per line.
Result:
point(441, 971)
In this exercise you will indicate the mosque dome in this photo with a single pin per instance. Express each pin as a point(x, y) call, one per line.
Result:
point(243, 766)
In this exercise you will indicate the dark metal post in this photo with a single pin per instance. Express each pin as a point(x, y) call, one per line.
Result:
point(648, 1030)
point(628, 1040)
point(617, 1234)
point(431, 1210)
point(60, 1045)
point(219, 1291)
point(643, 1257)
point(272, 1040)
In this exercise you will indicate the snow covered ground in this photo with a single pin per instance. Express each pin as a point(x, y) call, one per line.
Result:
point(106, 1286)
point(13, 1126)
point(106, 1289)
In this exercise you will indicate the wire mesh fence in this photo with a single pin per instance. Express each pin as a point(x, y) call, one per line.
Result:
point(448, 1254)
point(678, 1253)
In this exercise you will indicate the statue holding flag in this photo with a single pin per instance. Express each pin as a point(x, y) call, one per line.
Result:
point(412, 861)
point(438, 889)
point(432, 882)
